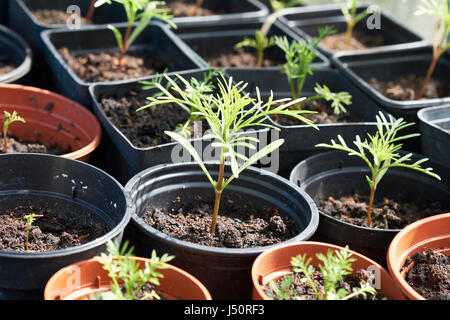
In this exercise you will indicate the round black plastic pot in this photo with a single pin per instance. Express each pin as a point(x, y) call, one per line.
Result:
point(156, 39)
point(74, 189)
point(435, 129)
point(224, 271)
point(14, 50)
point(4, 12)
point(306, 21)
point(388, 65)
point(269, 6)
point(205, 40)
point(300, 140)
point(335, 174)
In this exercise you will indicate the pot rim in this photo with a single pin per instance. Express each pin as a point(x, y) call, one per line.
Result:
point(188, 246)
point(114, 232)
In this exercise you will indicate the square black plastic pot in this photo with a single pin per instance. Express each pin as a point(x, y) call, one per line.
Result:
point(213, 39)
point(300, 140)
point(135, 159)
point(306, 21)
point(269, 6)
point(435, 129)
point(388, 65)
point(157, 39)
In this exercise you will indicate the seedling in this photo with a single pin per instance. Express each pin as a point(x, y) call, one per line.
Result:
point(30, 219)
point(282, 4)
point(142, 10)
point(7, 120)
point(299, 57)
point(381, 152)
point(228, 114)
point(441, 35)
point(199, 3)
point(334, 268)
point(349, 10)
point(127, 279)
point(205, 86)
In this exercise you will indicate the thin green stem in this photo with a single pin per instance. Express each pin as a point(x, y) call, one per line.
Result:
point(5, 141)
point(218, 191)
point(369, 209)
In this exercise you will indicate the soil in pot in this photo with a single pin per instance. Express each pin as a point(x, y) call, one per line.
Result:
point(406, 88)
point(240, 224)
point(386, 213)
point(104, 66)
point(16, 145)
point(144, 128)
point(324, 115)
point(360, 40)
point(6, 67)
point(303, 289)
point(189, 9)
point(51, 16)
point(52, 231)
point(429, 274)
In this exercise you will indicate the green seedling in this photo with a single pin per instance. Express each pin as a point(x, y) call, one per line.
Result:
point(142, 10)
point(7, 121)
point(334, 268)
point(381, 152)
point(228, 113)
point(439, 9)
point(127, 278)
point(278, 5)
point(299, 57)
point(30, 220)
point(349, 9)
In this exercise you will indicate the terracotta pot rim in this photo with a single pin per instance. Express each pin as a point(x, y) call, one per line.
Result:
point(95, 141)
point(391, 258)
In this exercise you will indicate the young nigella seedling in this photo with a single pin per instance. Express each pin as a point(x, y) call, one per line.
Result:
point(282, 4)
point(334, 268)
point(127, 278)
point(299, 57)
point(30, 219)
point(7, 120)
point(441, 36)
point(228, 114)
point(349, 10)
point(142, 10)
point(381, 152)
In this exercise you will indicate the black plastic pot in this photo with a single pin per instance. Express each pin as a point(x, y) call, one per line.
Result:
point(306, 21)
point(269, 6)
point(212, 39)
point(224, 271)
point(16, 51)
point(387, 65)
point(435, 128)
point(335, 174)
point(80, 191)
point(4, 12)
point(300, 140)
point(156, 39)
point(137, 159)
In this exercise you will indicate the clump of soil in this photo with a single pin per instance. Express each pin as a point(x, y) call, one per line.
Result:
point(406, 88)
point(51, 16)
point(146, 293)
point(6, 67)
point(49, 232)
point(430, 274)
point(240, 58)
point(103, 67)
point(240, 224)
point(15, 146)
point(386, 213)
point(360, 40)
point(324, 115)
point(144, 128)
point(183, 9)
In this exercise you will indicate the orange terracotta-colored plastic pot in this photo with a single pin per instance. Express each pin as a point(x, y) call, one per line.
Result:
point(51, 119)
point(276, 262)
point(78, 281)
point(422, 235)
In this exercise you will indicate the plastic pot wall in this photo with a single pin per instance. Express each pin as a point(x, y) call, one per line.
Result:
point(435, 132)
point(4, 12)
point(224, 271)
point(156, 39)
point(52, 120)
point(388, 65)
point(16, 51)
point(300, 140)
point(306, 21)
point(81, 192)
point(335, 174)
point(205, 40)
